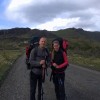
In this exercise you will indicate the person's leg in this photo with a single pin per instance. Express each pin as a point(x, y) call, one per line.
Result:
point(33, 83)
point(39, 87)
point(56, 84)
point(61, 86)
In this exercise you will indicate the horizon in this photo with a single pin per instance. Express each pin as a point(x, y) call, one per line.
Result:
point(47, 30)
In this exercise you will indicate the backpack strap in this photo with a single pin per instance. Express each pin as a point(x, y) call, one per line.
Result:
point(47, 51)
point(35, 52)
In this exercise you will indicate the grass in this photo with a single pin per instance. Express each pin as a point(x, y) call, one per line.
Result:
point(90, 62)
point(7, 58)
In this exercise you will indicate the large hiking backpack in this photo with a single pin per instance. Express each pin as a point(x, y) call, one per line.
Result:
point(64, 47)
point(34, 42)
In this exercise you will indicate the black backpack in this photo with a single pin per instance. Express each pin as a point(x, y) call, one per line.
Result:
point(34, 42)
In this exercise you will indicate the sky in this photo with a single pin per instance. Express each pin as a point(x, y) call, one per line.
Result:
point(51, 15)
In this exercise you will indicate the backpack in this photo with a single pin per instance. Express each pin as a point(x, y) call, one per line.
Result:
point(34, 42)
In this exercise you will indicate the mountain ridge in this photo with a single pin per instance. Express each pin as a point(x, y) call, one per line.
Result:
point(68, 33)
point(77, 33)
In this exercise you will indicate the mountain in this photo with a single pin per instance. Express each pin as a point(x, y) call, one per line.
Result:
point(14, 32)
point(73, 33)
point(70, 33)
point(25, 33)
point(36, 32)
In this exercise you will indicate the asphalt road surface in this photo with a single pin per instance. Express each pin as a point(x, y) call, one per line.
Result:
point(80, 84)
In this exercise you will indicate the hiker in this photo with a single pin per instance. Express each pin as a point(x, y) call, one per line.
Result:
point(39, 60)
point(59, 64)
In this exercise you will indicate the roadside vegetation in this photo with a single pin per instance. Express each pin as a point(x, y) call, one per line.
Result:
point(91, 62)
point(9, 52)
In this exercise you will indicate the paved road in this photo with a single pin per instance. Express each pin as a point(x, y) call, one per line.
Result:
point(80, 84)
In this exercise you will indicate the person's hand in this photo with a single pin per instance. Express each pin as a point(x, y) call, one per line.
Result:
point(42, 62)
point(55, 65)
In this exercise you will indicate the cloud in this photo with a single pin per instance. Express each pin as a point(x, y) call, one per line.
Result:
point(57, 23)
point(55, 14)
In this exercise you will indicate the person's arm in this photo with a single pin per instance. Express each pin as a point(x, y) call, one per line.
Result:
point(32, 60)
point(65, 61)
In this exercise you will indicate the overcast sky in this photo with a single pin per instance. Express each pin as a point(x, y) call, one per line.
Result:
point(50, 14)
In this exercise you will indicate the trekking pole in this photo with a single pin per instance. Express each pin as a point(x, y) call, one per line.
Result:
point(42, 93)
point(43, 74)
point(46, 72)
point(51, 76)
point(46, 65)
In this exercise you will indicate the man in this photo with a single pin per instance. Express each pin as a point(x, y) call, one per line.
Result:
point(39, 59)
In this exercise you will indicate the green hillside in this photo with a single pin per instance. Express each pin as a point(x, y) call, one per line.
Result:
point(78, 33)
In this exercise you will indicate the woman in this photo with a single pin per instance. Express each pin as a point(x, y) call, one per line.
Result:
point(59, 64)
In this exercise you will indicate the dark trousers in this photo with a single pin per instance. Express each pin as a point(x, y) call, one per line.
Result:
point(58, 80)
point(34, 79)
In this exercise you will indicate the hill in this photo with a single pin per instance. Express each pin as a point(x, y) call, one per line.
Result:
point(14, 32)
point(70, 33)
point(78, 33)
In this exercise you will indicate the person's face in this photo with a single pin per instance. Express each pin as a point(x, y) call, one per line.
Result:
point(56, 46)
point(42, 42)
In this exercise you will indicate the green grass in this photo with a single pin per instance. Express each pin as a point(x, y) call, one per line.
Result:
point(88, 62)
point(7, 58)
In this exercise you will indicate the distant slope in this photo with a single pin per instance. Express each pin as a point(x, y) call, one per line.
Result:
point(70, 33)
point(36, 32)
point(25, 33)
point(78, 33)
point(14, 32)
